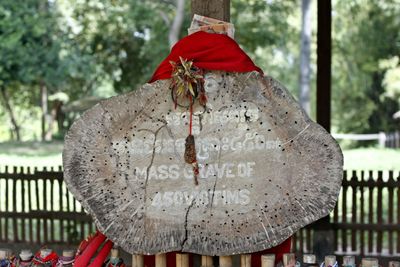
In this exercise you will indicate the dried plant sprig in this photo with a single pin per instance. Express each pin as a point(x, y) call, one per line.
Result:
point(187, 81)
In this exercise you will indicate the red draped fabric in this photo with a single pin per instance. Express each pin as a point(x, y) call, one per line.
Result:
point(209, 51)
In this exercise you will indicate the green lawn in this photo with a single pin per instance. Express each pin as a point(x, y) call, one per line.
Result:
point(34, 154)
point(372, 159)
point(49, 154)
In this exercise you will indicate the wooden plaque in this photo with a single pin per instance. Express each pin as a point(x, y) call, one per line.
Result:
point(266, 169)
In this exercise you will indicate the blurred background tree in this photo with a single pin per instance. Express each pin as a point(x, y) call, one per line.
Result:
point(59, 57)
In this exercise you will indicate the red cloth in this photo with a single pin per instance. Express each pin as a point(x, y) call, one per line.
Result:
point(210, 51)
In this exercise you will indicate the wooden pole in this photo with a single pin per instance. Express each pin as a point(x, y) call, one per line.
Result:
point(161, 260)
point(369, 262)
point(206, 261)
point(268, 260)
point(245, 260)
point(289, 259)
point(182, 260)
point(225, 261)
point(324, 63)
point(323, 237)
point(137, 260)
point(217, 9)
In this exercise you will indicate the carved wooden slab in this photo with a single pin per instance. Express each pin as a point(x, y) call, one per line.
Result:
point(266, 169)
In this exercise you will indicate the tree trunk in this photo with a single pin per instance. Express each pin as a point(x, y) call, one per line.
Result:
point(7, 105)
point(217, 9)
point(305, 68)
point(45, 110)
point(176, 25)
point(56, 107)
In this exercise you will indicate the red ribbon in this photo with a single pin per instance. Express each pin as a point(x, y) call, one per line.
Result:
point(209, 51)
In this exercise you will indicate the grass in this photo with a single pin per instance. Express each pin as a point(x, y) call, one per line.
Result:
point(49, 154)
point(372, 159)
point(34, 154)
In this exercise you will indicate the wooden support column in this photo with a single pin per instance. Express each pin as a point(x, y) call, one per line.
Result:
point(137, 260)
point(323, 237)
point(324, 63)
point(161, 260)
point(217, 9)
point(225, 261)
point(207, 261)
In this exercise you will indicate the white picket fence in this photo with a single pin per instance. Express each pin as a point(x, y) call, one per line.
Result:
point(391, 140)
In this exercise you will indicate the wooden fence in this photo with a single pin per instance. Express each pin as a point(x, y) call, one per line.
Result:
point(389, 140)
point(366, 219)
point(36, 207)
point(392, 140)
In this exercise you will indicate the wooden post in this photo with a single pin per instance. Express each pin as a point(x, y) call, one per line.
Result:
point(324, 62)
point(161, 260)
point(268, 260)
point(245, 260)
point(137, 260)
point(217, 9)
point(182, 260)
point(225, 261)
point(206, 261)
point(324, 236)
point(369, 262)
point(289, 259)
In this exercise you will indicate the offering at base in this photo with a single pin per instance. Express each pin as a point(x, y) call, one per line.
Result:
point(67, 259)
point(201, 23)
point(369, 262)
point(330, 261)
point(310, 260)
point(289, 260)
point(349, 261)
point(394, 263)
point(6, 257)
point(45, 258)
point(114, 260)
point(24, 258)
point(268, 260)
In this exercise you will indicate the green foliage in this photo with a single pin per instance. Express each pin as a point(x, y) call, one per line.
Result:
point(391, 80)
point(364, 33)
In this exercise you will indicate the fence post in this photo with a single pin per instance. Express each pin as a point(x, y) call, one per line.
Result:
point(245, 260)
point(182, 260)
point(225, 261)
point(206, 261)
point(137, 260)
point(268, 260)
point(382, 139)
point(161, 260)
